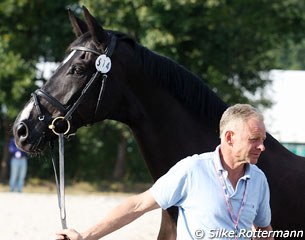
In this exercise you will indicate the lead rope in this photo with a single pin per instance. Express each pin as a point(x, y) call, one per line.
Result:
point(60, 182)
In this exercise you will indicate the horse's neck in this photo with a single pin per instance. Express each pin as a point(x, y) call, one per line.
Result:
point(166, 131)
point(280, 159)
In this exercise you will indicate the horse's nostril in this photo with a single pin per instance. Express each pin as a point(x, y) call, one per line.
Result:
point(22, 130)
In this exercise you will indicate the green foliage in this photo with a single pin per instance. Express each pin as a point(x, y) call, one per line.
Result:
point(37, 29)
point(16, 77)
point(292, 55)
point(227, 43)
point(91, 156)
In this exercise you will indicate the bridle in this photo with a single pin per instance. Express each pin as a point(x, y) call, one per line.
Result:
point(103, 66)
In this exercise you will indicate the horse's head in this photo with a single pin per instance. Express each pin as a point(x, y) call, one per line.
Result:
point(79, 89)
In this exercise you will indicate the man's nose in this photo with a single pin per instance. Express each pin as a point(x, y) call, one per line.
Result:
point(261, 146)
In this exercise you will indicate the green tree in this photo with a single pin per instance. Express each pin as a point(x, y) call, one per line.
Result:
point(227, 43)
point(15, 84)
point(27, 35)
point(39, 31)
point(292, 55)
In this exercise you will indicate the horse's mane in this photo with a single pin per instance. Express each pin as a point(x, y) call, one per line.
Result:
point(183, 84)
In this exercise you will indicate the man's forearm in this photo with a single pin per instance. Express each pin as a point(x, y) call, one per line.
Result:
point(120, 216)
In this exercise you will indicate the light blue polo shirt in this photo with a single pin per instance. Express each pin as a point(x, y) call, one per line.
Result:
point(194, 187)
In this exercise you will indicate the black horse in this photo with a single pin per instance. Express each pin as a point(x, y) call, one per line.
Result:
point(171, 112)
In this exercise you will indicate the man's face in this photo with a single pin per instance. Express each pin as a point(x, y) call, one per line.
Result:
point(249, 141)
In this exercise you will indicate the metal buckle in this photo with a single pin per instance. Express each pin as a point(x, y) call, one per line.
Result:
point(53, 127)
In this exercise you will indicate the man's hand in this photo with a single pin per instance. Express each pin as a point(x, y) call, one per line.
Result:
point(118, 217)
point(70, 234)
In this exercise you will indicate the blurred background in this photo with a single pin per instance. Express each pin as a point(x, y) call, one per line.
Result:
point(242, 49)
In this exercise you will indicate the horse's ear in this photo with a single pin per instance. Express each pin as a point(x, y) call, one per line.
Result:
point(79, 26)
point(99, 35)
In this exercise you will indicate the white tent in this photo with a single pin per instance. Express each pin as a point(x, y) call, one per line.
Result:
point(286, 119)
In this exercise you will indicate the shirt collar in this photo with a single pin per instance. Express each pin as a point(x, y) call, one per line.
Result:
point(220, 168)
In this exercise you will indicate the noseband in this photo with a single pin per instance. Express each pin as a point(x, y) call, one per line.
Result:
point(103, 66)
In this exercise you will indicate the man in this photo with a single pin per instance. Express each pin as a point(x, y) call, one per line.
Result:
point(221, 194)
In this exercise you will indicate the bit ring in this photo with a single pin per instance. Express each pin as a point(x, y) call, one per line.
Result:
point(53, 127)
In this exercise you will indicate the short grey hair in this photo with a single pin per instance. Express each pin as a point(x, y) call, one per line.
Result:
point(237, 114)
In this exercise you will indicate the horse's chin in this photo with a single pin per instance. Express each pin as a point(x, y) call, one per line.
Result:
point(32, 147)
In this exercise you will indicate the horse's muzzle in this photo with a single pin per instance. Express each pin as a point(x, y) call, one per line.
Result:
point(21, 131)
point(27, 139)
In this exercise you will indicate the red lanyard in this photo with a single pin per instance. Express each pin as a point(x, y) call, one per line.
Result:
point(228, 201)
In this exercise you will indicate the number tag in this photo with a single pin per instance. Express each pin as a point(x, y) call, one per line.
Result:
point(103, 64)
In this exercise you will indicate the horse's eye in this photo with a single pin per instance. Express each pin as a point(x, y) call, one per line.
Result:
point(75, 70)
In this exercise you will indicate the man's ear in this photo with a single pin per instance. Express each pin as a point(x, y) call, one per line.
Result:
point(229, 137)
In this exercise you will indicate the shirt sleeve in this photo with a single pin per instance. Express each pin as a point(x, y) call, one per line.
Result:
point(263, 217)
point(170, 189)
point(12, 146)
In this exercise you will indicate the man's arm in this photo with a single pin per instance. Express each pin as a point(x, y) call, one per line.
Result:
point(120, 216)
